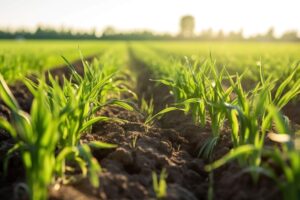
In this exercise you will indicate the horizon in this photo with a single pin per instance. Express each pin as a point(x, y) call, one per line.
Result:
point(233, 15)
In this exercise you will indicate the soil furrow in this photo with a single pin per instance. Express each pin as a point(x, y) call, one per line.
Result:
point(172, 143)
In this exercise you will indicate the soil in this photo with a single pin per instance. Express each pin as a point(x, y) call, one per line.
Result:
point(292, 110)
point(172, 143)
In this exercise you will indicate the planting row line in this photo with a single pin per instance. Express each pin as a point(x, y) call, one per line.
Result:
point(217, 98)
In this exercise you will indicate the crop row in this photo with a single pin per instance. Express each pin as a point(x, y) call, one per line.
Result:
point(48, 138)
point(238, 57)
point(215, 97)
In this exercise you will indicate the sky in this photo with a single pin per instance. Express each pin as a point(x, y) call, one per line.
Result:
point(253, 16)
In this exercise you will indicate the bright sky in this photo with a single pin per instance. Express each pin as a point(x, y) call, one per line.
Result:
point(158, 15)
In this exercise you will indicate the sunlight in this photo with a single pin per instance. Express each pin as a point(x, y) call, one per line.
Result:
point(159, 16)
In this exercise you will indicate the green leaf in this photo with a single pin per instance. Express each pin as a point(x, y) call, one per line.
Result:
point(165, 82)
point(93, 165)
point(76, 76)
point(161, 113)
point(64, 153)
point(27, 159)
point(234, 125)
point(101, 145)
point(82, 164)
point(122, 104)
point(260, 103)
point(283, 85)
point(8, 127)
point(233, 154)
point(8, 155)
point(189, 101)
point(7, 95)
point(160, 186)
point(32, 86)
point(93, 121)
point(22, 123)
point(208, 147)
point(279, 121)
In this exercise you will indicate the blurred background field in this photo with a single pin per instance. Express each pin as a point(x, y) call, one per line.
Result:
point(34, 55)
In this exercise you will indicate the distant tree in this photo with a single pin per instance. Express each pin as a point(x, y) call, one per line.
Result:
point(93, 32)
point(109, 31)
point(290, 36)
point(220, 35)
point(235, 36)
point(240, 34)
point(207, 34)
point(187, 26)
point(270, 34)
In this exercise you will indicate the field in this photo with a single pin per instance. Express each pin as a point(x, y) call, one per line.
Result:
point(22, 57)
point(149, 120)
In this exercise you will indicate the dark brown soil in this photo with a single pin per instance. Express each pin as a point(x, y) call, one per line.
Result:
point(292, 110)
point(128, 168)
point(171, 143)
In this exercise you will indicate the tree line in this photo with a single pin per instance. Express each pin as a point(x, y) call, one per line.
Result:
point(111, 34)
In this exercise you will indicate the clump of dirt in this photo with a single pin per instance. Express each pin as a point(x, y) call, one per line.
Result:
point(231, 183)
point(127, 170)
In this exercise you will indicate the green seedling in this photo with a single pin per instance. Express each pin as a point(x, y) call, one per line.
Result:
point(35, 138)
point(199, 88)
point(160, 185)
point(147, 108)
